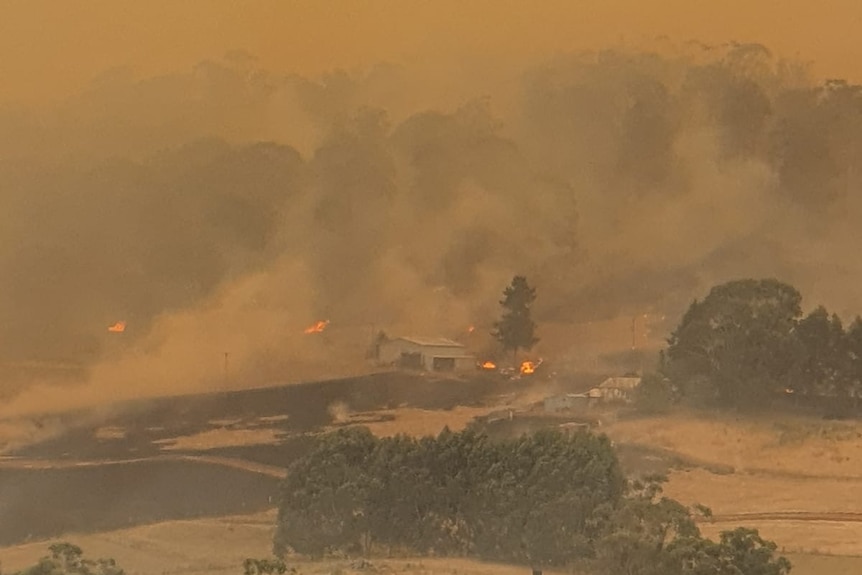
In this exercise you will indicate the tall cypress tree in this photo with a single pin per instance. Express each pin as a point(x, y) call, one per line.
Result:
point(516, 328)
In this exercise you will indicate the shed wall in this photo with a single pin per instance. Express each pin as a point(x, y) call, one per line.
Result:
point(392, 351)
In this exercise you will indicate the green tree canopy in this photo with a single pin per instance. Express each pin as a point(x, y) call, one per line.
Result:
point(546, 499)
point(853, 347)
point(535, 499)
point(824, 362)
point(740, 339)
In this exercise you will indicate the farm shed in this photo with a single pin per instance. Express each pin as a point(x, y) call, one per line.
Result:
point(616, 389)
point(428, 353)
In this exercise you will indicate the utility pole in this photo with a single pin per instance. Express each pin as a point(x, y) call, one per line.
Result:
point(226, 355)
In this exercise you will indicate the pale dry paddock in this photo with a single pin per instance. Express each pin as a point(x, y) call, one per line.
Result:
point(836, 538)
point(219, 546)
point(789, 445)
point(794, 478)
point(757, 493)
point(190, 547)
point(802, 515)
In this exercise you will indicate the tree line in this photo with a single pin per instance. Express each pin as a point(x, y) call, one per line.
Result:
point(747, 343)
point(68, 559)
point(548, 499)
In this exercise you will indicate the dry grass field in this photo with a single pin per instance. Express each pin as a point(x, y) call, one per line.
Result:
point(793, 478)
point(218, 546)
point(790, 445)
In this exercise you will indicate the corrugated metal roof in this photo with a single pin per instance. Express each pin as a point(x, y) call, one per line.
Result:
point(432, 341)
point(620, 383)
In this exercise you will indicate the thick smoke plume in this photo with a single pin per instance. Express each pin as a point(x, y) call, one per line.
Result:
point(223, 209)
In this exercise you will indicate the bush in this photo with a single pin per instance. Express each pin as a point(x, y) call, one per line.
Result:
point(655, 394)
point(68, 559)
point(534, 499)
point(550, 499)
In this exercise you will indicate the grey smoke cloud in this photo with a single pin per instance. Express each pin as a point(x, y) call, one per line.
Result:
point(228, 207)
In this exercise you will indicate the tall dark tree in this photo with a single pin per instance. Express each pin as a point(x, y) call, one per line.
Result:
point(740, 340)
point(853, 374)
point(823, 368)
point(516, 328)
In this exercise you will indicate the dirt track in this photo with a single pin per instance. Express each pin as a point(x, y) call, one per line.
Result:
point(44, 464)
point(741, 518)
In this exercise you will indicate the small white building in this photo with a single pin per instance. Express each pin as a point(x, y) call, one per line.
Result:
point(428, 353)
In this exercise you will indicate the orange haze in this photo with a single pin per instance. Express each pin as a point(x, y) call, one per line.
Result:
point(51, 48)
point(221, 174)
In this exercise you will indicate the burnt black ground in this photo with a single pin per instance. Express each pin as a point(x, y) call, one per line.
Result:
point(36, 504)
point(307, 407)
point(39, 504)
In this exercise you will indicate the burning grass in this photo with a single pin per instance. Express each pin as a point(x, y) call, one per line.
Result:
point(317, 327)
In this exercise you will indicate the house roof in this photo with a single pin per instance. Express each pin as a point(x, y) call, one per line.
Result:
point(432, 341)
point(620, 383)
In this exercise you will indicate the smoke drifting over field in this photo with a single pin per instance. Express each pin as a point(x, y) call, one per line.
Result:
point(228, 207)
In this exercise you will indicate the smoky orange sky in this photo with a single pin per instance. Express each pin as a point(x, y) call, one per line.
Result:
point(50, 49)
point(372, 165)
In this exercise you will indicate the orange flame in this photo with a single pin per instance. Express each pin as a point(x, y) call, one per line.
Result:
point(118, 327)
point(317, 327)
point(489, 365)
point(471, 329)
point(530, 367)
